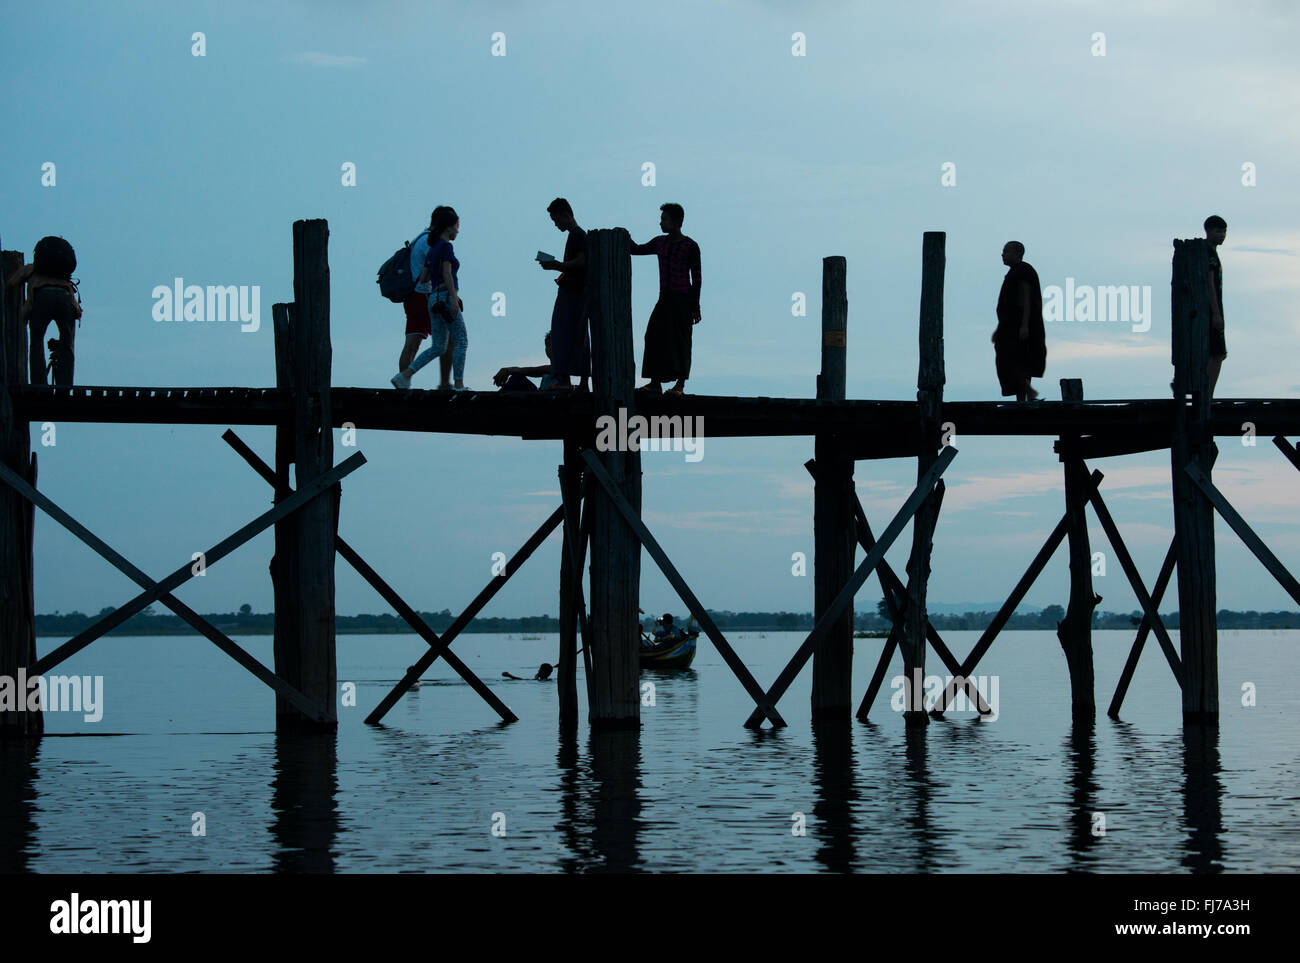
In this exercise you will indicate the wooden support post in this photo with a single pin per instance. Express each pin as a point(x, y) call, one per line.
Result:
point(929, 397)
point(615, 551)
point(693, 604)
point(17, 595)
point(1075, 631)
point(833, 543)
point(1193, 514)
point(570, 587)
point(304, 641)
point(284, 561)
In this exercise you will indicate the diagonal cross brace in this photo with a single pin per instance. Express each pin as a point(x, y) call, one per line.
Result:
point(462, 620)
point(766, 706)
point(1050, 545)
point(1130, 665)
point(1288, 449)
point(183, 574)
point(1135, 580)
point(1244, 531)
point(226, 644)
point(411, 617)
point(891, 585)
point(859, 577)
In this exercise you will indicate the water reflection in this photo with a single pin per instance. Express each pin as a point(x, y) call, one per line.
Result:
point(305, 820)
point(928, 856)
point(1082, 766)
point(601, 804)
point(834, 779)
point(17, 803)
point(1202, 799)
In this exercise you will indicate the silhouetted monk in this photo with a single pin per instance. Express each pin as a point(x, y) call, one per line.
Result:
point(570, 344)
point(1216, 230)
point(1020, 341)
point(667, 354)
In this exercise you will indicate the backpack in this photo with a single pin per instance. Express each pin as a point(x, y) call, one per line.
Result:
point(394, 280)
point(54, 257)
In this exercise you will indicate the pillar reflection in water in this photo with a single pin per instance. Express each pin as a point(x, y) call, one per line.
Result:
point(928, 858)
point(305, 821)
point(1082, 764)
point(837, 794)
point(1202, 799)
point(17, 803)
point(601, 802)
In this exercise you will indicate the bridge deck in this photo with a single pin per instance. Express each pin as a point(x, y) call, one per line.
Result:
point(884, 425)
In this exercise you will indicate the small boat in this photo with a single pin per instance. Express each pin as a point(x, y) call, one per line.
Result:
point(674, 651)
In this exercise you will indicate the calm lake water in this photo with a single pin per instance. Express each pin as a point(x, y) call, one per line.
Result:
point(185, 731)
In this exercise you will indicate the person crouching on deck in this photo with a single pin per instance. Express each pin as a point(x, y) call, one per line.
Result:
point(667, 355)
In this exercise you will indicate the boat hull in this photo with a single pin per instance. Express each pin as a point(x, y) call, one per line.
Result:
point(675, 654)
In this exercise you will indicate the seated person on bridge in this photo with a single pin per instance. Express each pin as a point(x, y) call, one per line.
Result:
point(516, 378)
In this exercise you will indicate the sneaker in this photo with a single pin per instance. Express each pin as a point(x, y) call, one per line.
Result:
point(400, 380)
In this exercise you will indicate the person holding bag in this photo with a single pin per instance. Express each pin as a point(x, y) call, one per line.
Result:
point(446, 317)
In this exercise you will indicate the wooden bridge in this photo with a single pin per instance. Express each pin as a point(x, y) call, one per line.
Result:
point(599, 512)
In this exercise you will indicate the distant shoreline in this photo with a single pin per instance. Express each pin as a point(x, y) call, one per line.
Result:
point(259, 623)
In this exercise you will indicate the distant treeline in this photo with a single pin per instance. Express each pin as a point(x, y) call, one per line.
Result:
point(247, 622)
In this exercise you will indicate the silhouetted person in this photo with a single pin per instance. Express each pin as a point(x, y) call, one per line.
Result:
point(51, 296)
point(1019, 341)
point(416, 306)
point(446, 317)
point(570, 352)
point(667, 355)
point(1216, 230)
point(515, 377)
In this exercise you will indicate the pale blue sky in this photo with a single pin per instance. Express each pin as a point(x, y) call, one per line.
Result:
point(174, 165)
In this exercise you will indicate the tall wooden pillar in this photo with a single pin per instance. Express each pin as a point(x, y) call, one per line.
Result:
point(303, 568)
point(615, 551)
point(1075, 630)
point(570, 581)
point(1193, 443)
point(17, 596)
point(929, 397)
point(833, 532)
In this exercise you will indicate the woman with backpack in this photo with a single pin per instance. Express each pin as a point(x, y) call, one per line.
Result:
point(446, 318)
point(416, 304)
point(51, 296)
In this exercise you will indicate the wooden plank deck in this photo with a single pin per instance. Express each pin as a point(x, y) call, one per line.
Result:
point(547, 415)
